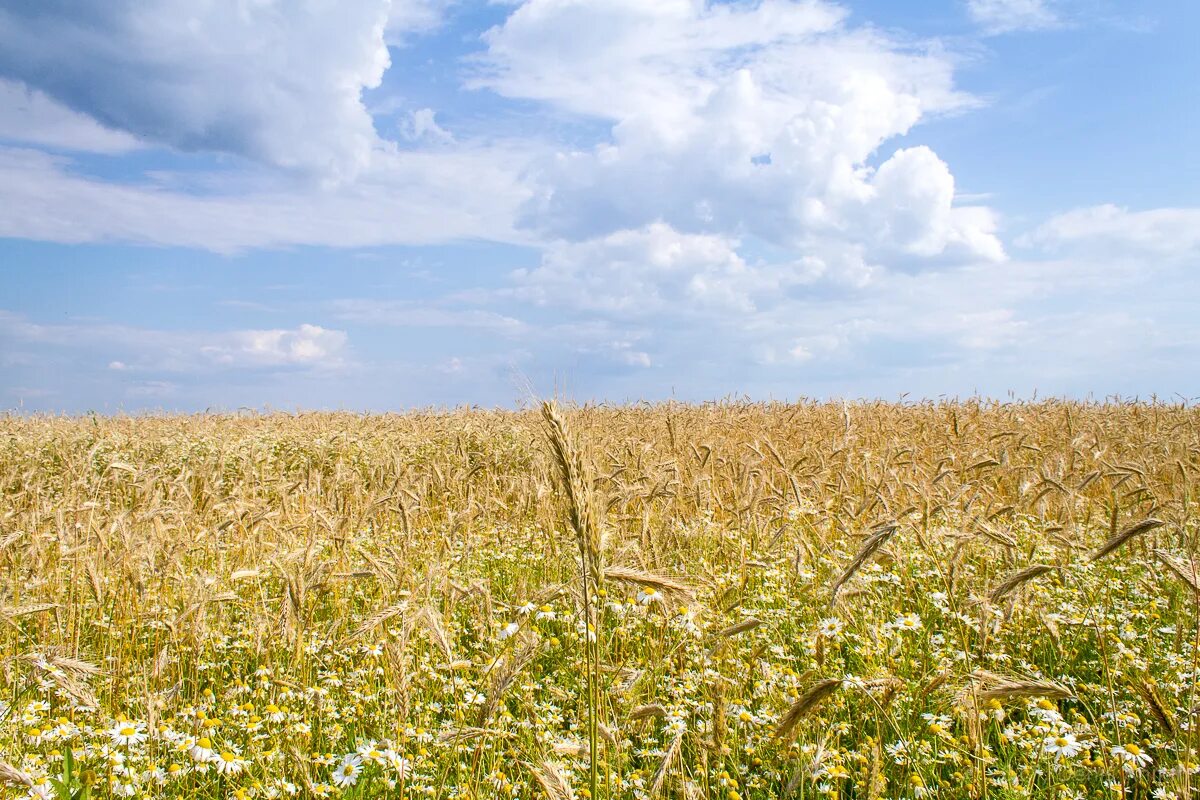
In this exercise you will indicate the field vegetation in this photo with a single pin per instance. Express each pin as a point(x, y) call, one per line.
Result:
point(866, 600)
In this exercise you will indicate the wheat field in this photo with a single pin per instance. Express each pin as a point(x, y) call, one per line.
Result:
point(734, 600)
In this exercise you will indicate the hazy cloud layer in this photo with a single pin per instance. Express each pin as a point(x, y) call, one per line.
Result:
point(661, 198)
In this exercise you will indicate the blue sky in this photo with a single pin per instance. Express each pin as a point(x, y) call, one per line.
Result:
point(376, 205)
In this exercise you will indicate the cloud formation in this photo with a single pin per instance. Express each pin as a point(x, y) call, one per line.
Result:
point(1161, 232)
point(1005, 16)
point(277, 82)
point(125, 348)
point(31, 117)
point(763, 120)
point(656, 270)
point(408, 198)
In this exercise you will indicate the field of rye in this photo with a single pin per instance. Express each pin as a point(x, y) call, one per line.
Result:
point(736, 600)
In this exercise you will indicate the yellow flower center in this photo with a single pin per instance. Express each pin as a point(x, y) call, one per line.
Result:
point(1133, 750)
point(128, 731)
point(227, 756)
point(1061, 742)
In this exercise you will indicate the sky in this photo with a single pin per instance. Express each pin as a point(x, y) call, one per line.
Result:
point(372, 205)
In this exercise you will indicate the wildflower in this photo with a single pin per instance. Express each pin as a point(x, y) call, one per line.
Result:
point(1062, 745)
point(507, 631)
point(370, 751)
point(202, 750)
point(837, 772)
point(41, 789)
point(830, 627)
point(127, 734)
point(908, 622)
point(229, 763)
point(347, 774)
point(545, 612)
point(648, 594)
point(398, 762)
point(1132, 757)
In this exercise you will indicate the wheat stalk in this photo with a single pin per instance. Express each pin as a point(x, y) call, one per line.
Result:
point(1124, 536)
point(875, 541)
point(805, 704)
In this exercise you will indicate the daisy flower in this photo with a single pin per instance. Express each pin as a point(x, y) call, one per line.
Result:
point(230, 763)
point(1062, 745)
point(398, 763)
point(830, 627)
point(347, 774)
point(203, 751)
point(908, 622)
point(41, 789)
point(128, 734)
point(648, 594)
point(370, 751)
point(1131, 756)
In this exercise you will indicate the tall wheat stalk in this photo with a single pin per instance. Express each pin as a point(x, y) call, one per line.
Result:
point(575, 483)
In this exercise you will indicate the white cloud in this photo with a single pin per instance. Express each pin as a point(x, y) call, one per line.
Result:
point(279, 82)
point(655, 269)
point(739, 120)
point(1109, 229)
point(422, 125)
point(32, 117)
point(408, 198)
point(143, 350)
point(307, 345)
point(406, 17)
point(914, 212)
point(1003, 16)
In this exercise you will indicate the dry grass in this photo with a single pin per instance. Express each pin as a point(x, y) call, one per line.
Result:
point(477, 596)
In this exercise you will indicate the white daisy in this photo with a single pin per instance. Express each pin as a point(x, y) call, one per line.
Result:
point(1062, 745)
point(830, 627)
point(127, 734)
point(1131, 756)
point(229, 762)
point(648, 594)
point(347, 774)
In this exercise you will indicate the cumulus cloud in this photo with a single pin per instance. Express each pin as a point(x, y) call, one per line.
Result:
point(1003, 16)
point(740, 120)
point(278, 82)
point(32, 117)
point(307, 345)
point(1160, 232)
point(655, 269)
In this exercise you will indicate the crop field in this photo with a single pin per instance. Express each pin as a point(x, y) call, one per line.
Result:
point(735, 600)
